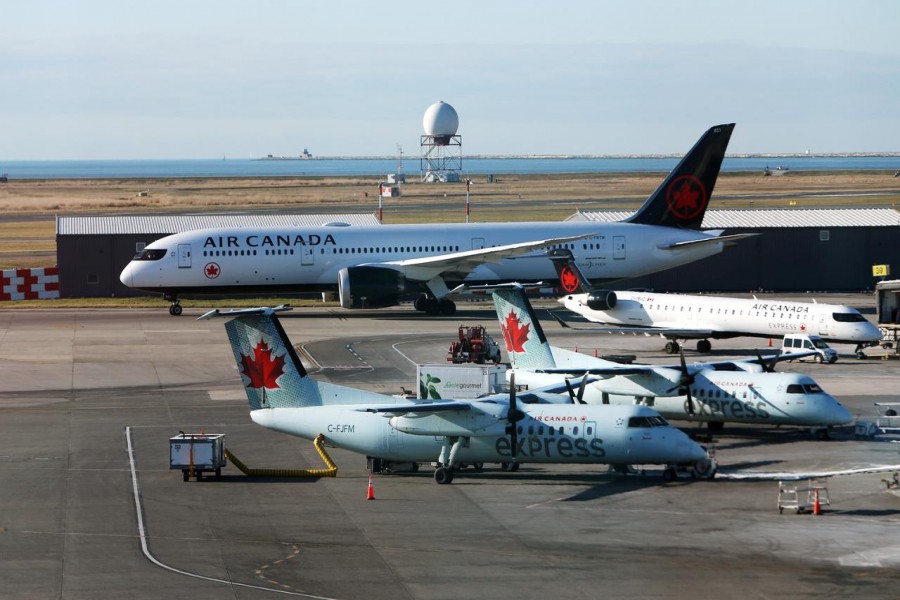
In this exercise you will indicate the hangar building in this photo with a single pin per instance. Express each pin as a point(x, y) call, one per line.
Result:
point(92, 251)
point(797, 250)
point(827, 249)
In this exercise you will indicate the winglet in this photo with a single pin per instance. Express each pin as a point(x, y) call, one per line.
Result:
point(682, 198)
point(571, 278)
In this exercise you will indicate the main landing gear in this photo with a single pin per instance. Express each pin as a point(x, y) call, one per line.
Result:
point(435, 306)
point(703, 347)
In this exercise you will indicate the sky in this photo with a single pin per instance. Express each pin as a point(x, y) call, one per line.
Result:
point(103, 79)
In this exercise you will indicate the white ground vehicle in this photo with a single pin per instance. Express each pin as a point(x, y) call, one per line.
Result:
point(801, 342)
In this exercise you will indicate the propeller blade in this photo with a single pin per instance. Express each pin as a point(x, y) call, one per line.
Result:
point(571, 391)
point(512, 416)
point(690, 402)
point(581, 389)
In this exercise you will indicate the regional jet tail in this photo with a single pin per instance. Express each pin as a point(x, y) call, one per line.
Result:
point(377, 266)
point(737, 391)
point(495, 429)
point(683, 317)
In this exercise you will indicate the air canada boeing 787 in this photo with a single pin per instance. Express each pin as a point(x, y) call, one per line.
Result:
point(376, 266)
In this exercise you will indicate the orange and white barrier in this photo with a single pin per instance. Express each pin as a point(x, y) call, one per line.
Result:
point(29, 284)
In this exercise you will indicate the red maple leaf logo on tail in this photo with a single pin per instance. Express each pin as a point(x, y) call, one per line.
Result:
point(568, 279)
point(686, 197)
point(514, 333)
point(261, 369)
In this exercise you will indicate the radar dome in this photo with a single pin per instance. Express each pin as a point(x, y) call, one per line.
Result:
point(440, 120)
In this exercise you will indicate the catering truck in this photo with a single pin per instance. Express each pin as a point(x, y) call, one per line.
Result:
point(460, 382)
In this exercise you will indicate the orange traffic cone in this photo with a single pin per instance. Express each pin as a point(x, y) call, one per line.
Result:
point(817, 508)
point(770, 342)
point(370, 495)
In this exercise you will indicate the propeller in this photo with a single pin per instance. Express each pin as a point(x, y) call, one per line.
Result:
point(685, 381)
point(577, 398)
point(768, 366)
point(513, 416)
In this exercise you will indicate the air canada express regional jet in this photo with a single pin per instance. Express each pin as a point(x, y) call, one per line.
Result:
point(376, 266)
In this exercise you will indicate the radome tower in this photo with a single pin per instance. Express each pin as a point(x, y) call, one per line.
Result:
point(441, 158)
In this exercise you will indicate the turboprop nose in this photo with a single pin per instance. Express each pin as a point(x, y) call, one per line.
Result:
point(840, 415)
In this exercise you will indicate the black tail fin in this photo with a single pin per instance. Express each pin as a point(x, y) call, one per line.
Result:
point(682, 198)
point(571, 279)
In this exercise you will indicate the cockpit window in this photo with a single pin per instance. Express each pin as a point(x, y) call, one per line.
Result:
point(150, 254)
point(795, 388)
point(812, 388)
point(641, 422)
point(853, 317)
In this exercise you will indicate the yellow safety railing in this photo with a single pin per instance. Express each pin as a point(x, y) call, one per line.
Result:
point(330, 471)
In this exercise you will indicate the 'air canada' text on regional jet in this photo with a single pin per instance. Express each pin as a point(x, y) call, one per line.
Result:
point(376, 266)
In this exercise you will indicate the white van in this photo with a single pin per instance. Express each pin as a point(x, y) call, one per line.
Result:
point(801, 342)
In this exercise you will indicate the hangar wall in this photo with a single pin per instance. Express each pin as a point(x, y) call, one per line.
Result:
point(835, 259)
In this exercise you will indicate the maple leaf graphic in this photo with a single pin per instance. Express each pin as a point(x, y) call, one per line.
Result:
point(568, 279)
point(212, 270)
point(514, 333)
point(261, 369)
point(687, 198)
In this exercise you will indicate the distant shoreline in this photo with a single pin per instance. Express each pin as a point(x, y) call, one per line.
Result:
point(589, 156)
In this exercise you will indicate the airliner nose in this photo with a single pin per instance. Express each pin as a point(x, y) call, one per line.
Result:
point(127, 277)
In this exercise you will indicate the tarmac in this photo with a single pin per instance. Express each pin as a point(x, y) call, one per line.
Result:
point(90, 509)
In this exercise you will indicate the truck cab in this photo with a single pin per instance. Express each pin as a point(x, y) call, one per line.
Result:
point(801, 342)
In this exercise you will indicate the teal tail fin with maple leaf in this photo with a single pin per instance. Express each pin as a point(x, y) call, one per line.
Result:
point(526, 343)
point(270, 369)
point(682, 198)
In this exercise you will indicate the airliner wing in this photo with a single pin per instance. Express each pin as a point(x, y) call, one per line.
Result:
point(728, 240)
point(671, 332)
point(463, 263)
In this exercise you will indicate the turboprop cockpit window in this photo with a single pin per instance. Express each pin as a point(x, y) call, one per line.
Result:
point(150, 254)
point(848, 317)
point(642, 422)
point(812, 388)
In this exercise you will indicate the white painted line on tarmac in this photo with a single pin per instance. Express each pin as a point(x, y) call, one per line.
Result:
point(144, 546)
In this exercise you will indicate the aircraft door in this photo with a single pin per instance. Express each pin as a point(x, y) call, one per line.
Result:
point(307, 256)
point(184, 256)
point(618, 247)
point(477, 243)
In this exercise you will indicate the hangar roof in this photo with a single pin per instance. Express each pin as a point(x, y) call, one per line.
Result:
point(775, 217)
point(168, 224)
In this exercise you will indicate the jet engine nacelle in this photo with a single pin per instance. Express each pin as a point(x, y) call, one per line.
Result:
point(601, 299)
point(370, 287)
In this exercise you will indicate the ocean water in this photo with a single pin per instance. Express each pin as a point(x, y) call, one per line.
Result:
point(130, 169)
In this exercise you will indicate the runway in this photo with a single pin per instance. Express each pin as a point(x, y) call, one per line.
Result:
point(79, 385)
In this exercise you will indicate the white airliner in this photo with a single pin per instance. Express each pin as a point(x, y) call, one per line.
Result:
point(737, 391)
point(682, 317)
point(283, 397)
point(376, 266)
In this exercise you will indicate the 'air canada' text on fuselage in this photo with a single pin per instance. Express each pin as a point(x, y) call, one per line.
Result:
point(262, 241)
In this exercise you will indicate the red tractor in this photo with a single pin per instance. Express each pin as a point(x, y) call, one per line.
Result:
point(474, 345)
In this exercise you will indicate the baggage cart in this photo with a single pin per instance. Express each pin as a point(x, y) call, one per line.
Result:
point(197, 453)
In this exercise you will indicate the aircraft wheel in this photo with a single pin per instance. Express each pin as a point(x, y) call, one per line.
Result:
point(419, 304)
point(443, 475)
point(415, 467)
point(446, 307)
point(431, 306)
point(504, 466)
point(705, 469)
point(175, 310)
point(479, 467)
point(704, 346)
point(819, 358)
point(514, 467)
point(671, 347)
point(822, 434)
point(186, 474)
point(669, 474)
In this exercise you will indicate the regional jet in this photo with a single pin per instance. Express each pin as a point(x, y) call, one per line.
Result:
point(682, 317)
point(283, 397)
point(733, 391)
point(376, 266)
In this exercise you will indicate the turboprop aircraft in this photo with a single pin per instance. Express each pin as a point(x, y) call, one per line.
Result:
point(376, 266)
point(683, 317)
point(283, 397)
point(733, 391)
